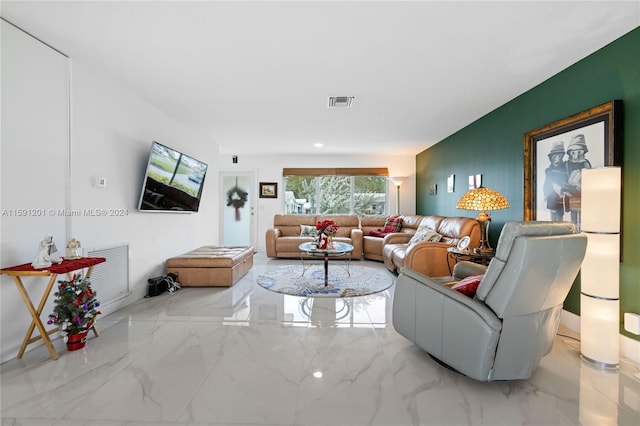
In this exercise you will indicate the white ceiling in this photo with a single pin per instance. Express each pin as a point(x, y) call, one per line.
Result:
point(256, 76)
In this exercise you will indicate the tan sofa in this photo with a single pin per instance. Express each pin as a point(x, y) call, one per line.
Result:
point(428, 258)
point(284, 238)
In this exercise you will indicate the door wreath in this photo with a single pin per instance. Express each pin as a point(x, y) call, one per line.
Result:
point(237, 198)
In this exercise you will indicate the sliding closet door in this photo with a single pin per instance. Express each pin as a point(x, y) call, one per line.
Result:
point(34, 166)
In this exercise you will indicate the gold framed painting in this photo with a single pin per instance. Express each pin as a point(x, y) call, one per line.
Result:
point(555, 154)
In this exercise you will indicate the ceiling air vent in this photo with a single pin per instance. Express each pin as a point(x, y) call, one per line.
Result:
point(341, 101)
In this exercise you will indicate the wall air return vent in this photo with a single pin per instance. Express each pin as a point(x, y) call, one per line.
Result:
point(110, 280)
point(341, 101)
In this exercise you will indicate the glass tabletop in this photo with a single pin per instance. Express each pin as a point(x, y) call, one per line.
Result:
point(338, 247)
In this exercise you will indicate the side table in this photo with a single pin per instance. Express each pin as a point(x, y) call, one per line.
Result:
point(469, 255)
point(26, 270)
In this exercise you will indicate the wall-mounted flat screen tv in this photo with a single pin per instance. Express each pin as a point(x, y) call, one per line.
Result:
point(173, 181)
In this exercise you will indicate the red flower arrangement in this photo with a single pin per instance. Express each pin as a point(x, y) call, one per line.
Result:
point(327, 227)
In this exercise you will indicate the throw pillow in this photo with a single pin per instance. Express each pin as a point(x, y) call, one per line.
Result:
point(378, 233)
point(468, 285)
point(392, 224)
point(425, 234)
point(307, 231)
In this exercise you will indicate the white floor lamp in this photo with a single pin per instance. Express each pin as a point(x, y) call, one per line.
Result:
point(600, 273)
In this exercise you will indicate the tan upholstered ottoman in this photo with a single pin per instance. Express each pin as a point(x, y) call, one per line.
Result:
point(211, 266)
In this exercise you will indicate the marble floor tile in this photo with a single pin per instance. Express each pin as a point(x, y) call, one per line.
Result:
point(247, 356)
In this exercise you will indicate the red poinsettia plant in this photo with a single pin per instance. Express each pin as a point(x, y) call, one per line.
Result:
point(327, 227)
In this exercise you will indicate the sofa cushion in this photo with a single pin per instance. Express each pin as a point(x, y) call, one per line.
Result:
point(431, 222)
point(373, 220)
point(345, 223)
point(308, 231)
point(410, 223)
point(289, 224)
point(392, 224)
point(468, 285)
point(454, 228)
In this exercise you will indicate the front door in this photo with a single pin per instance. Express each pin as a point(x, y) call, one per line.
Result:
point(237, 208)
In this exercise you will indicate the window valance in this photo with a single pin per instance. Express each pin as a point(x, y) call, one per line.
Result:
point(336, 171)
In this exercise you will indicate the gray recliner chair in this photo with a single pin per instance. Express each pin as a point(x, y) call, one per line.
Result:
point(510, 324)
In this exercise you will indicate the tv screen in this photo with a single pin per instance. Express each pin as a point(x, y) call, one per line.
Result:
point(173, 181)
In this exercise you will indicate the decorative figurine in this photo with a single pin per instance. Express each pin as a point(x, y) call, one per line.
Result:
point(44, 258)
point(74, 251)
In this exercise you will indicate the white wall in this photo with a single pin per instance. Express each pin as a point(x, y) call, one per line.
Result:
point(112, 134)
point(64, 124)
point(111, 130)
point(269, 169)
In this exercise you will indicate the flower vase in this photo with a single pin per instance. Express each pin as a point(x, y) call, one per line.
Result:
point(330, 242)
point(76, 341)
point(323, 242)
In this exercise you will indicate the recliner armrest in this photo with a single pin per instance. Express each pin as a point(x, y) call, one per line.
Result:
point(397, 238)
point(357, 240)
point(270, 241)
point(428, 258)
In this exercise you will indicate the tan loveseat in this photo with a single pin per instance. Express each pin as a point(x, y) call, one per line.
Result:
point(426, 257)
point(284, 238)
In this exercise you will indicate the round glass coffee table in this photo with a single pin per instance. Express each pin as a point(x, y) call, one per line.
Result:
point(339, 250)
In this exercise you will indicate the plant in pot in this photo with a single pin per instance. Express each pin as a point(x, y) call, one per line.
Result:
point(74, 311)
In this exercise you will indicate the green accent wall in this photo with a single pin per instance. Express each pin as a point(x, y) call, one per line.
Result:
point(493, 146)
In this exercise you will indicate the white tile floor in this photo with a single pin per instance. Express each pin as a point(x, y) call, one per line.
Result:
point(246, 356)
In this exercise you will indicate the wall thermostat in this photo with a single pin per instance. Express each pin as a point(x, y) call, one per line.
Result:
point(99, 182)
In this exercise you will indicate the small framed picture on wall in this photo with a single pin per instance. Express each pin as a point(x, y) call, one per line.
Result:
point(268, 190)
point(475, 181)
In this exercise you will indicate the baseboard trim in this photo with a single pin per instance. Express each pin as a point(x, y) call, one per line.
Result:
point(629, 348)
